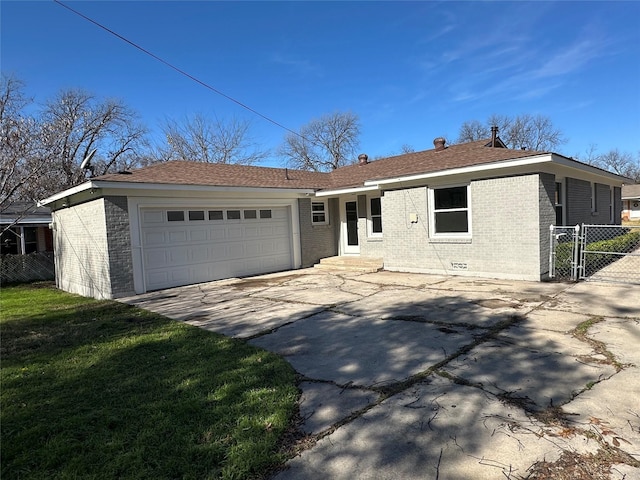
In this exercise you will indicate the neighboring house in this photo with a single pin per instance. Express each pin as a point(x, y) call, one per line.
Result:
point(470, 209)
point(25, 229)
point(631, 202)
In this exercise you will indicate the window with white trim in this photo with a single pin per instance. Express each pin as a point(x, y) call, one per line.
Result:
point(450, 211)
point(559, 203)
point(375, 217)
point(319, 212)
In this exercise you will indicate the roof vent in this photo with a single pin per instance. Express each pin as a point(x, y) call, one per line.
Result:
point(439, 144)
point(494, 135)
point(363, 159)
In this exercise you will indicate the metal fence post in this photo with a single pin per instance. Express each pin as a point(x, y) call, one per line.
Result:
point(575, 263)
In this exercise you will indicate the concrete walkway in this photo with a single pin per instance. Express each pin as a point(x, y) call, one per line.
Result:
point(422, 376)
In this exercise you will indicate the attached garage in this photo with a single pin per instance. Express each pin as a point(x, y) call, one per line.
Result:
point(181, 246)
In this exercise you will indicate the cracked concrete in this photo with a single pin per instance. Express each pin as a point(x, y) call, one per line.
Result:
point(425, 376)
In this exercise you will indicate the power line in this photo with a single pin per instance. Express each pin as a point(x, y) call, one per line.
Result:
point(180, 71)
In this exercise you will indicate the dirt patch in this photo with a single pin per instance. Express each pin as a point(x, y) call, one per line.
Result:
point(588, 466)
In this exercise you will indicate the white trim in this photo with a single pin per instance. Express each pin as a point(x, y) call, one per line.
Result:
point(432, 213)
point(325, 212)
point(370, 232)
point(346, 249)
point(100, 184)
point(136, 204)
point(462, 170)
point(327, 193)
point(66, 193)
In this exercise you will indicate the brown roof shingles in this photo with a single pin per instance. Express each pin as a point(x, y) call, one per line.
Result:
point(210, 174)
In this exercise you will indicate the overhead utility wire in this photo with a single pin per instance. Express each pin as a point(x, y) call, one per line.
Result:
point(182, 72)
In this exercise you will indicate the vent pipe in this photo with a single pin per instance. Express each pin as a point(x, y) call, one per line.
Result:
point(494, 135)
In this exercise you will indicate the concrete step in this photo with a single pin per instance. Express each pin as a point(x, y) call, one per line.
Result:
point(351, 263)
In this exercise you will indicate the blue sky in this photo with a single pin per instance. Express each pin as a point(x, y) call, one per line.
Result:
point(411, 71)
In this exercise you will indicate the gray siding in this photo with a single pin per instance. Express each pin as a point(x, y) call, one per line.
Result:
point(617, 205)
point(547, 217)
point(579, 203)
point(119, 246)
point(578, 199)
point(318, 241)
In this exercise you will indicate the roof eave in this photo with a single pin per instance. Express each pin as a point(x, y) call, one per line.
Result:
point(503, 164)
point(105, 184)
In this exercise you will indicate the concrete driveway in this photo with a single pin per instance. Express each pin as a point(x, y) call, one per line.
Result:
point(422, 376)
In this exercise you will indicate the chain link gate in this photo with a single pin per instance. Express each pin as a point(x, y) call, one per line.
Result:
point(595, 252)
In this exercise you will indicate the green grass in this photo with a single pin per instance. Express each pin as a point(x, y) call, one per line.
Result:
point(96, 389)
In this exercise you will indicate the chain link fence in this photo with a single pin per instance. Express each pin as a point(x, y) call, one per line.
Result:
point(26, 268)
point(610, 253)
point(595, 252)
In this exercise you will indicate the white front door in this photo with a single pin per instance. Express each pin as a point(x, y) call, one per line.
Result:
point(349, 227)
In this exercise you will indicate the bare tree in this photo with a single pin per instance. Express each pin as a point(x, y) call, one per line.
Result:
point(622, 163)
point(200, 139)
point(20, 164)
point(323, 144)
point(529, 132)
point(74, 123)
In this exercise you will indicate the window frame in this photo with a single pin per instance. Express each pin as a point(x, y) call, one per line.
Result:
point(324, 211)
point(559, 201)
point(370, 217)
point(432, 211)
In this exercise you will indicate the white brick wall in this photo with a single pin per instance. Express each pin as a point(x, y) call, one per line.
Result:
point(81, 253)
point(505, 239)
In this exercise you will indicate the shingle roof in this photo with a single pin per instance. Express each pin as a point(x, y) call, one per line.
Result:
point(211, 174)
point(631, 191)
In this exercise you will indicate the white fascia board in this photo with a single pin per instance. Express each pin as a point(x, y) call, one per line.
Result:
point(328, 193)
point(18, 220)
point(67, 193)
point(571, 163)
point(169, 187)
point(464, 170)
point(198, 188)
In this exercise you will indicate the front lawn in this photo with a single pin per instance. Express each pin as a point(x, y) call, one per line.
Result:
point(97, 389)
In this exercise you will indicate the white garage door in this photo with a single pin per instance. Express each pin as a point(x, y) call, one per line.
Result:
point(185, 246)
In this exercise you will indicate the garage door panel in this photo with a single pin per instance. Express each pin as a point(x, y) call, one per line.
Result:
point(234, 251)
point(154, 238)
point(200, 253)
point(152, 216)
point(196, 250)
point(217, 233)
point(178, 256)
point(234, 232)
point(177, 236)
point(199, 235)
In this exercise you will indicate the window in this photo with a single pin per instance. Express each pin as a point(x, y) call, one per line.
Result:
point(611, 205)
point(594, 198)
point(450, 211)
point(233, 214)
point(375, 217)
point(196, 215)
point(558, 203)
point(319, 213)
point(215, 215)
point(30, 236)
point(265, 213)
point(175, 216)
point(250, 214)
